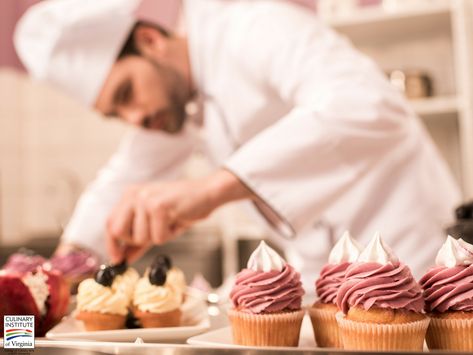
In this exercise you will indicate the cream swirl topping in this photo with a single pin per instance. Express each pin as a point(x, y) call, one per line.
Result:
point(175, 278)
point(267, 292)
point(378, 252)
point(454, 253)
point(93, 297)
point(345, 250)
point(448, 288)
point(371, 284)
point(126, 282)
point(37, 283)
point(156, 299)
point(265, 259)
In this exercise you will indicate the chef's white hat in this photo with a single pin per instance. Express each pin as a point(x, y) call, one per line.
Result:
point(72, 44)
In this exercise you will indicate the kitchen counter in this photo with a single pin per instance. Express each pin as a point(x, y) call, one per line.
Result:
point(95, 348)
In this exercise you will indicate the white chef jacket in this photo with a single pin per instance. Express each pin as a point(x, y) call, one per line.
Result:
point(307, 122)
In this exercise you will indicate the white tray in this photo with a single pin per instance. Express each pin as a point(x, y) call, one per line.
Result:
point(223, 337)
point(195, 320)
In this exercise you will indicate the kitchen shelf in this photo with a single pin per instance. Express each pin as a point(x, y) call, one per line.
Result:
point(437, 38)
point(379, 24)
point(435, 106)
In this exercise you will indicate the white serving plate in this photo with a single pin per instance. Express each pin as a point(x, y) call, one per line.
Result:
point(195, 320)
point(223, 337)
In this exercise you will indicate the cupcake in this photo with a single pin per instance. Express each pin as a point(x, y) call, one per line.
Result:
point(156, 303)
point(448, 294)
point(99, 306)
point(381, 303)
point(266, 298)
point(322, 313)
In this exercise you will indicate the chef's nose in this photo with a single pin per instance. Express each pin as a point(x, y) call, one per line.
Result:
point(133, 115)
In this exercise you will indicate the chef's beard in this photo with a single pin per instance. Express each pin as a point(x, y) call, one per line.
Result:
point(178, 96)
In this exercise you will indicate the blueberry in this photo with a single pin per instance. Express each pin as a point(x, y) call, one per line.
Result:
point(120, 268)
point(157, 275)
point(105, 276)
point(163, 260)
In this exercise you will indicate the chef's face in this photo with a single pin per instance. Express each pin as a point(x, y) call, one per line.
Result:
point(145, 94)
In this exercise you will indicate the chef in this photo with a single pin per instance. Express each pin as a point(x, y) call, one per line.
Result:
point(296, 121)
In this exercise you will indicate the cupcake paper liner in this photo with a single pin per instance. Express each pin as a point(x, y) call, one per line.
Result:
point(450, 334)
point(101, 321)
point(158, 320)
point(277, 329)
point(325, 326)
point(370, 336)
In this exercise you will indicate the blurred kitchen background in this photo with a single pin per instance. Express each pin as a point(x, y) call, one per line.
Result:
point(50, 147)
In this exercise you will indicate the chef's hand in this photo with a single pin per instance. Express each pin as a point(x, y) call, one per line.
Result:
point(154, 213)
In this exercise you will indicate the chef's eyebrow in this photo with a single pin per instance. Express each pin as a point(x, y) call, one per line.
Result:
point(121, 95)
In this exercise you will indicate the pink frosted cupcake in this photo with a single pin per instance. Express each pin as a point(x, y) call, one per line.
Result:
point(448, 293)
point(267, 299)
point(381, 303)
point(322, 313)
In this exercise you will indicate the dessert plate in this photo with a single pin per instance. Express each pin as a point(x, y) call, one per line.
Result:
point(195, 320)
point(223, 337)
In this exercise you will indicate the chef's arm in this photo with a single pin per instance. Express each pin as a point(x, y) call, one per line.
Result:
point(142, 156)
point(345, 117)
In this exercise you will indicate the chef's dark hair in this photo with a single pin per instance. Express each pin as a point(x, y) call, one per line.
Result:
point(129, 48)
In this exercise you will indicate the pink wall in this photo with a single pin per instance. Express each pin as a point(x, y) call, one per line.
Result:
point(161, 11)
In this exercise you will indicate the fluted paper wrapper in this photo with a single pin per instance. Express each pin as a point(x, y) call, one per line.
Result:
point(277, 329)
point(450, 334)
point(325, 327)
point(382, 337)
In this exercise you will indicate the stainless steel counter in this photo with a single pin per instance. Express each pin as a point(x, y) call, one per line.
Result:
point(96, 348)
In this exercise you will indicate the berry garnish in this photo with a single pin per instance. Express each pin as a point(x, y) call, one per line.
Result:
point(120, 268)
point(163, 260)
point(157, 275)
point(105, 276)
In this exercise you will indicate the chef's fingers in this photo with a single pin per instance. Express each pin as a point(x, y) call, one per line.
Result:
point(115, 249)
point(179, 228)
point(140, 226)
point(120, 222)
point(159, 227)
point(119, 227)
point(133, 253)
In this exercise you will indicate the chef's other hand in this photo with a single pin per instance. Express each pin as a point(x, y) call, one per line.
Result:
point(154, 213)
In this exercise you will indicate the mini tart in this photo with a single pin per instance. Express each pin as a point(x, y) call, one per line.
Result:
point(158, 320)
point(266, 329)
point(101, 321)
point(99, 307)
point(156, 305)
point(324, 325)
point(451, 330)
point(380, 329)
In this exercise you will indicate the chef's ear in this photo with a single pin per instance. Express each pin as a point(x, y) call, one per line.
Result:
point(150, 42)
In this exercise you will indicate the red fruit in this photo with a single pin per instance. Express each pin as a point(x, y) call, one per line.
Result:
point(16, 299)
point(58, 300)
